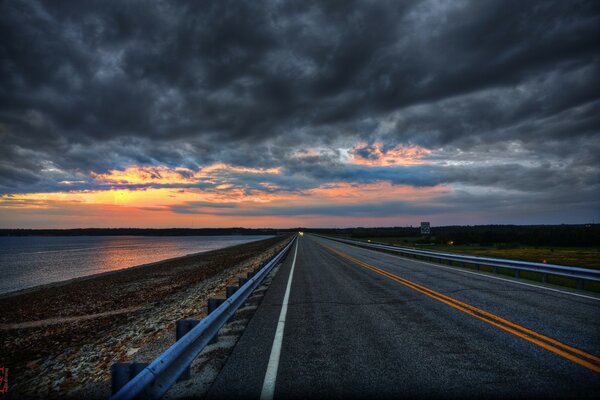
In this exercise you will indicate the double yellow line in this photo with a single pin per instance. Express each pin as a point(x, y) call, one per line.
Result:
point(571, 353)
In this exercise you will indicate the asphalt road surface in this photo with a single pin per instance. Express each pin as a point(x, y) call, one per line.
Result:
point(345, 322)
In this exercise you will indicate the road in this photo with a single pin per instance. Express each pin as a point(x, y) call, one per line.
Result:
point(357, 323)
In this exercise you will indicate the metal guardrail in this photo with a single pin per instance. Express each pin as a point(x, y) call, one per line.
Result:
point(581, 274)
point(158, 377)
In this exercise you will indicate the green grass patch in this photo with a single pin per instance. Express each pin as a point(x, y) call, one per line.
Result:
point(585, 257)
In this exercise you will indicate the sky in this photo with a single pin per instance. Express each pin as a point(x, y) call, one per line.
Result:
point(298, 113)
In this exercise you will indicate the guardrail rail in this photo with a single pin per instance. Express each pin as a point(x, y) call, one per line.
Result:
point(156, 379)
point(577, 273)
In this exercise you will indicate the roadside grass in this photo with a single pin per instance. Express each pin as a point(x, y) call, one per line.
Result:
point(586, 257)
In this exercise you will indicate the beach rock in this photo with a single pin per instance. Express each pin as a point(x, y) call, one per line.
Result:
point(58, 382)
point(132, 351)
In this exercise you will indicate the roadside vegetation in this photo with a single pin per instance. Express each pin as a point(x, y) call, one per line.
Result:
point(587, 257)
point(571, 245)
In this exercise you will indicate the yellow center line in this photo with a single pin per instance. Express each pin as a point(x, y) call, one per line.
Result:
point(564, 350)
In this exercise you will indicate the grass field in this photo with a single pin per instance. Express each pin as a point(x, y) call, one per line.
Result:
point(587, 257)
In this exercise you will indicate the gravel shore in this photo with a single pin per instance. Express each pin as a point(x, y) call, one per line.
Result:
point(61, 338)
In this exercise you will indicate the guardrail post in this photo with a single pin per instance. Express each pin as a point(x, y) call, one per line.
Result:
point(182, 327)
point(544, 278)
point(230, 291)
point(242, 281)
point(213, 304)
point(517, 273)
point(121, 373)
point(580, 284)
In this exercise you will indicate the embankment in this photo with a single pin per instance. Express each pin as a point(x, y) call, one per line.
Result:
point(62, 336)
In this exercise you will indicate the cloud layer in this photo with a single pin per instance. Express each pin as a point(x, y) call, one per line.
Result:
point(496, 102)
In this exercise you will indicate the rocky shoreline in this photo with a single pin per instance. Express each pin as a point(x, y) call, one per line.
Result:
point(61, 339)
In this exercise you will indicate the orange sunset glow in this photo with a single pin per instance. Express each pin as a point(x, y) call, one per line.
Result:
point(163, 175)
point(223, 205)
point(398, 155)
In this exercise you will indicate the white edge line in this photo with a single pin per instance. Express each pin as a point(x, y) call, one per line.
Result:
point(268, 388)
point(508, 280)
point(458, 269)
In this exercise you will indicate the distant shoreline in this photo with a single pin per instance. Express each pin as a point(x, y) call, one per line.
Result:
point(98, 275)
point(135, 273)
point(142, 232)
point(563, 235)
point(225, 239)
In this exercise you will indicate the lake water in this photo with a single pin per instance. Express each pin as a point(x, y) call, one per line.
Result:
point(36, 260)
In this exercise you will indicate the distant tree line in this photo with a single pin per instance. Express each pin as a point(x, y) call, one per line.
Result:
point(533, 235)
point(137, 232)
point(554, 235)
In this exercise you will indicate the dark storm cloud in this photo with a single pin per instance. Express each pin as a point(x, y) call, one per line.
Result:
point(94, 86)
point(379, 209)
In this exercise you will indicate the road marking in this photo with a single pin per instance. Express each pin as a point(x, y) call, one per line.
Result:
point(459, 269)
point(562, 349)
point(268, 389)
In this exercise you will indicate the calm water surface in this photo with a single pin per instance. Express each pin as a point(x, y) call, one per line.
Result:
point(36, 260)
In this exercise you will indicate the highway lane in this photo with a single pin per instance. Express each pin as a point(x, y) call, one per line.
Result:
point(363, 323)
